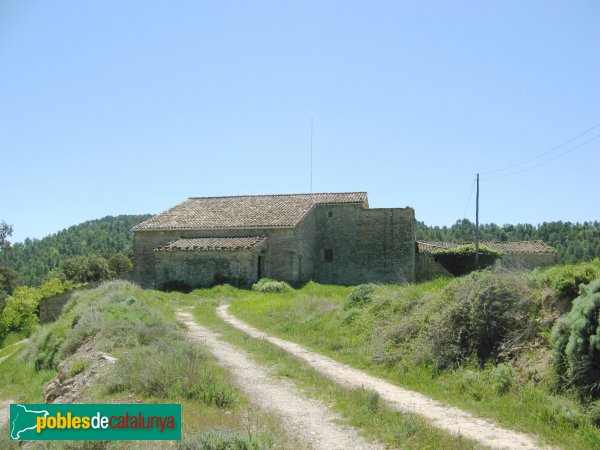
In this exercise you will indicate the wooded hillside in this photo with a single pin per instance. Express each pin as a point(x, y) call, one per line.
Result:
point(574, 242)
point(33, 259)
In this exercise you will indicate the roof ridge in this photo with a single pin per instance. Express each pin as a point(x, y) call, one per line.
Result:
point(302, 194)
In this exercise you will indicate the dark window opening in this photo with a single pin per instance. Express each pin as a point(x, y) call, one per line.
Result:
point(328, 254)
point(261, 267)
point(330, 214)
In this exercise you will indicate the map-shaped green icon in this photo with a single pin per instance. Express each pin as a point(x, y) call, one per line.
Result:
point(23, 421)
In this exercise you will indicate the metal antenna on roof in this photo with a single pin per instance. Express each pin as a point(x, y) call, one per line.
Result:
point(311, 153)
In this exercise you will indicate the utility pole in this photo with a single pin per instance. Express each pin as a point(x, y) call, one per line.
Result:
point(477, 226)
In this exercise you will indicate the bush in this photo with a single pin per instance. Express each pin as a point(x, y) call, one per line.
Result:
point(576, 343)
point(269, 285)
point(566, 280)
point(20, 310)
point(223, 439)
point(83, 327)
point(502, 378)
point(593, 412)
point(561, 411)
point(360, 296)
point(479, 312)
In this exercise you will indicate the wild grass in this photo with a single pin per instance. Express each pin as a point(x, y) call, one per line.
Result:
point(19, 379)
point(389, 331)
point(155, 363)
point(220, 439)
point(360, 408)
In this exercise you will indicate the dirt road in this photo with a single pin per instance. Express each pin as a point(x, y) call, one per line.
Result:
point(5, 411)
point(308, 420)
point(451, 419)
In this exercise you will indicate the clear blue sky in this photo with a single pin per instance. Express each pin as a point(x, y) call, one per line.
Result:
point(125, 107)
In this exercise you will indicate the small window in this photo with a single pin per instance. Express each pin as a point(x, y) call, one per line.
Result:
point(330, 214)
point(328, 254)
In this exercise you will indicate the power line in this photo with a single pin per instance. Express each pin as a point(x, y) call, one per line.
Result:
point(545, 161)
point(544, 153)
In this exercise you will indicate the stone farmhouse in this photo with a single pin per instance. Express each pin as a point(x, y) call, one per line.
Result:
point(332, 238)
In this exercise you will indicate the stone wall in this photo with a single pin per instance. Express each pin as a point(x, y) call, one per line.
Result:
point(364, 245)
point(527, 261)
point(303, 258)
point(277, 253)
point(203, 269)
point(50, 308)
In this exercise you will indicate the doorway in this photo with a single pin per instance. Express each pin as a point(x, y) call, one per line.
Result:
point(261, 267)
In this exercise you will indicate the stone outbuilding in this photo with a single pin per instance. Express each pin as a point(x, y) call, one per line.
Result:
point(332, 238)
point(520, 255)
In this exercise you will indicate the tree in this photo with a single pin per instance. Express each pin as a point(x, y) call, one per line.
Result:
point(120, 265)
point(33, 259)
point(85, 269)
point(7, 275)
point(576, 343)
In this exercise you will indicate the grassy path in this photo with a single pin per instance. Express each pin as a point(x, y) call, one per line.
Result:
point(451, 419)
point(7, 352)
point(309, 420)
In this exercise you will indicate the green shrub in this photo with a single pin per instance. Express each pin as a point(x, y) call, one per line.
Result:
point(55, 286)
point(47, 344)
point(561, 411)
point(224, 439)
point(20, 310)
point(576, 343)
point(565, 280)
point(77, 366)
point(360, 296)
point(479, 312)
point(269, 285)
point(502, 378)
point(83, 326)
point(593, 412)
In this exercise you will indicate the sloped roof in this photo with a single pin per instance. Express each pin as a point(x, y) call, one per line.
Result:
point(231, 244)
point(523, 247)
point(249, 211)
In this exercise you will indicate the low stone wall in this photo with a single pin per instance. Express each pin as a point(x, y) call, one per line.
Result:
point(527, 262)
point(427, 268)
point(51, 308)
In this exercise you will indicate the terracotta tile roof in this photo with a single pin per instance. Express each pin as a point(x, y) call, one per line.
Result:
point(527, 247)
point(251, 211)
point(205, 244)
